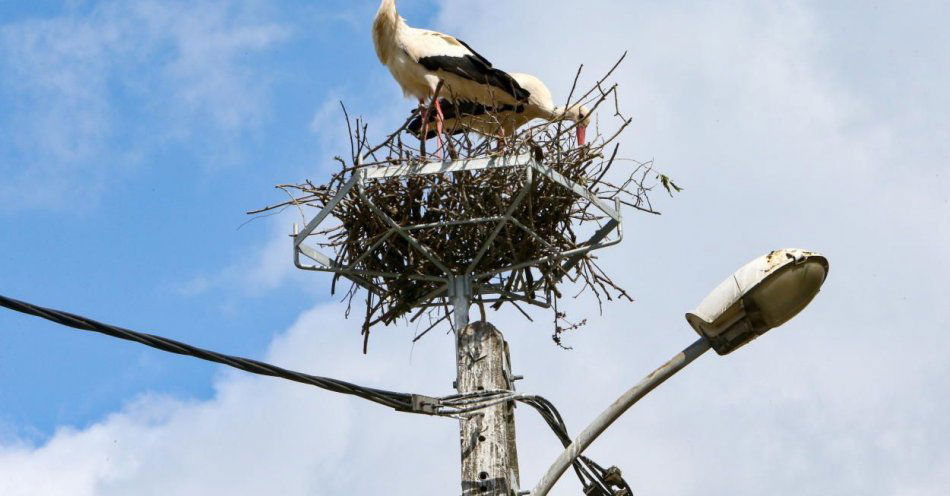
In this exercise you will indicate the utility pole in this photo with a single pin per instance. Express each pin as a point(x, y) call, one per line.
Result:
point(489, 452)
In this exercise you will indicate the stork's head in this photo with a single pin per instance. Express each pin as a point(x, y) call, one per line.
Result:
point(581, 116)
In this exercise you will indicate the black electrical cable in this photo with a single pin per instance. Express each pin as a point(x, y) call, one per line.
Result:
point(596, 480)
point(399, 401)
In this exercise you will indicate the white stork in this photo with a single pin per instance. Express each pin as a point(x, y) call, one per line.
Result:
point(504, 120)
point(419, 59)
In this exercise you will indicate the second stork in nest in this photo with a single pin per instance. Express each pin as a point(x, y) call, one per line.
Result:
point(503, 121)
point(419, 59)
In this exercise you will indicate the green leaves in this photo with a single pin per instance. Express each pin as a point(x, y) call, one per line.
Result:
point(668, 184)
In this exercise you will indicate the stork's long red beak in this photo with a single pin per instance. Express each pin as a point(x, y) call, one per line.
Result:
point(581, 135)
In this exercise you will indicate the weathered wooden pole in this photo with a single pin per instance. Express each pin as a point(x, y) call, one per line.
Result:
point(489, 453)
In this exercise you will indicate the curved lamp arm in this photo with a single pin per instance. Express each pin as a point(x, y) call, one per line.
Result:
point(614, 411)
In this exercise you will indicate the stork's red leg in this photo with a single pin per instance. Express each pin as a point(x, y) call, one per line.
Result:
point(439, 125)
point(424, 112)
point(502, 140)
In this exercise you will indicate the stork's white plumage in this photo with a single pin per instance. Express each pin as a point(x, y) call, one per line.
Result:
point(419, 59)
point(503, 120)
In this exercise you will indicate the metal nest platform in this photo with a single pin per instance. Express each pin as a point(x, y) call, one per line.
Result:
point(502, 266)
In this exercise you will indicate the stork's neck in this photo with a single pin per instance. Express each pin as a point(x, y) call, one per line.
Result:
point(385, 25)
point(387, 8)
point(384, 30)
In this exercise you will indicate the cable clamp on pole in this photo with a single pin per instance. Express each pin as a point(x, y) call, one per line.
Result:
point(425, 405)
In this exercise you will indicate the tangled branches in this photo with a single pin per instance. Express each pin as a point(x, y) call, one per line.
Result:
point(516, 217)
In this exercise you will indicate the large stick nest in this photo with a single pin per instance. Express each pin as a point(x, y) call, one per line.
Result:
point(440, 211)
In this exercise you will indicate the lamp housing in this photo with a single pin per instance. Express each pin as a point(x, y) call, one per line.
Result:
point(762, 295)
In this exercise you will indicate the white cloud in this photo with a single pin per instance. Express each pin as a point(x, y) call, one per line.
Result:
point(92, 90)
point(734, 100)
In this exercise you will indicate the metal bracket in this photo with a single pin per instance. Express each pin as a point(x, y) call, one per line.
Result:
point(425, 405)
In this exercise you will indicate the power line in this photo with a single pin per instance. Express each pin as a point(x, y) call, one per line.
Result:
point(399, 401)
point(596, 480)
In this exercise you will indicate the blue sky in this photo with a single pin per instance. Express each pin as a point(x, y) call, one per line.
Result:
point(134, 134)
point(129, 178)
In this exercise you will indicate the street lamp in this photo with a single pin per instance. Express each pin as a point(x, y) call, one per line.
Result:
point(762, 295)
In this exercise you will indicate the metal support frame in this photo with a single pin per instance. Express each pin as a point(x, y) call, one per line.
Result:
point(461, 293)
point(481, 282)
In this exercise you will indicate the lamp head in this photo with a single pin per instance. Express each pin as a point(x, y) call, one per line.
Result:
point(762, 295)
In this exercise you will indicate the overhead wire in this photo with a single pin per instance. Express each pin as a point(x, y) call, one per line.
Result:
point(399, 401)
point(595, 480)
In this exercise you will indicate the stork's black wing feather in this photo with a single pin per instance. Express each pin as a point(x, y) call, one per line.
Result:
point(476, 68)
point(476, 54)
